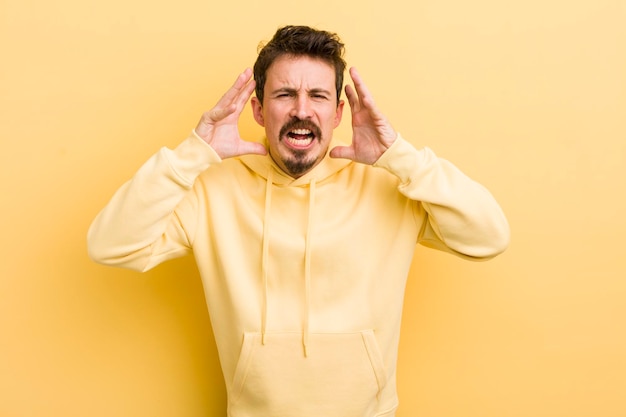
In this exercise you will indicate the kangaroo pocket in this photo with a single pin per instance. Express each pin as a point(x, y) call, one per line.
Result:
point(341, 376)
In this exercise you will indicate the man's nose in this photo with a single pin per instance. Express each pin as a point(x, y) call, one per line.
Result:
point(302, 108)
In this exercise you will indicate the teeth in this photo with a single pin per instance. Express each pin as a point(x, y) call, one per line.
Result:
point(300, 142)
point(301, 132)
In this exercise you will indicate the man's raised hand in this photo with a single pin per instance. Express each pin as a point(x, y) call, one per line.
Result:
point(372, 134)
point(219, 126)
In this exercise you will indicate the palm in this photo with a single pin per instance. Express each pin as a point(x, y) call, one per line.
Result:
point(227, 140)
point(368, 133)
point(371, 132)
point(219, 126)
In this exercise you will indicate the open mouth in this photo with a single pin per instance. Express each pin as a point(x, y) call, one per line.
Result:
point(300, 137)
point(300, 134)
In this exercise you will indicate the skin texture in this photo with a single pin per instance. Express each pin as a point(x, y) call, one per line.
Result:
point(299, 94)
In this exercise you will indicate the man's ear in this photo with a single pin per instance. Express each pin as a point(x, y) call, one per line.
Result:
point(257, 111)
point(339, 113)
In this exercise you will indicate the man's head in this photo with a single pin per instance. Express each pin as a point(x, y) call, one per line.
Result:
point(299, 76)
point(300, 41)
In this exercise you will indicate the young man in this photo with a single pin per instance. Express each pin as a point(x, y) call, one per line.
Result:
point(303, 245)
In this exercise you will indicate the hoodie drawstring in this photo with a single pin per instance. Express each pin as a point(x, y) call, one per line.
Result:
point(307, 262)
point(307, 269)
point(265, 254)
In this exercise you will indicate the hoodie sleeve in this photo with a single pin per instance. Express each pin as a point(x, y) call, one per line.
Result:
point(462, 216)
point(142, 225)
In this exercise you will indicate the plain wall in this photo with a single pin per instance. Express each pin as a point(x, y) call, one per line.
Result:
point(527, 97)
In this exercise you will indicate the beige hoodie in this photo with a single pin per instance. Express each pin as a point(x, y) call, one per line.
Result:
point(304, 278)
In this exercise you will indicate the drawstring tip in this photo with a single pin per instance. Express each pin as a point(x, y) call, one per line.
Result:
point(305, 340)
point(263, 338)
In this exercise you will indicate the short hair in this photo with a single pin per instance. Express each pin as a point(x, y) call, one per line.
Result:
point(300, 41)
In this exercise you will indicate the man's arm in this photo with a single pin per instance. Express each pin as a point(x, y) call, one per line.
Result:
point(461, 216)
point(140, 227)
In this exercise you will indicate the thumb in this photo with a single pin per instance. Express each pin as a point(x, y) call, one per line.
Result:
point(345, 152)
point(252, 148)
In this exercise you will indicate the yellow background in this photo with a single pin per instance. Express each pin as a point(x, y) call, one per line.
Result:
point(528, 97)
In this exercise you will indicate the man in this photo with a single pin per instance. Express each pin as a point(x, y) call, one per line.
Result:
point(303, 246)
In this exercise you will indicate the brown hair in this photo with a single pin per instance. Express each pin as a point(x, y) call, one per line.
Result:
point(299, 41)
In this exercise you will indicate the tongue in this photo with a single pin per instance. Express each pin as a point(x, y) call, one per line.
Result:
point(299, 137)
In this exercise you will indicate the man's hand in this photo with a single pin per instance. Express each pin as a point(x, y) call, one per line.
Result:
point(372, 134)
point(218, 126)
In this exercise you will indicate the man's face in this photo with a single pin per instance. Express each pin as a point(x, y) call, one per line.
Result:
point(299, 112)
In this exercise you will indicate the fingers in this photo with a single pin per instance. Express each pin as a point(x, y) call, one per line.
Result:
point(353, 99)
point(219, 113)
point(245, 86)
point(233, 100)
point(239, 93)
point(360, 97)
point(362, 92)
point(365, 113)
point(238, 86)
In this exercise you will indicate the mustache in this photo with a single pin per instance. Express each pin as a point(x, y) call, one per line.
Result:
point(296, 123)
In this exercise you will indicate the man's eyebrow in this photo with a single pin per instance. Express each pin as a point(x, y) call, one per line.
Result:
point(319, 91)
point(284, 90)
point(291, 90)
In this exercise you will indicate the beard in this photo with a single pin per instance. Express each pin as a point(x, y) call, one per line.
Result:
point(300, 162)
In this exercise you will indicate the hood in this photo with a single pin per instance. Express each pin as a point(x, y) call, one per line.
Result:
point(263, 164)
